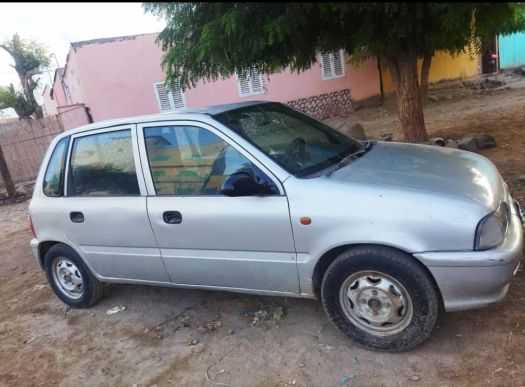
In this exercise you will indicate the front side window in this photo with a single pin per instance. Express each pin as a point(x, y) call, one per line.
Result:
point(54, 177)
point(103, 165)
point(190, 161)
point(297, 142)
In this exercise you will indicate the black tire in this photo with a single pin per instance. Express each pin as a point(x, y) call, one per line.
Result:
point(92, 289)
point(398, 266)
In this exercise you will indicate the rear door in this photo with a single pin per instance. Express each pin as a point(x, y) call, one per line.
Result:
point(104, 213)
point(208, 239)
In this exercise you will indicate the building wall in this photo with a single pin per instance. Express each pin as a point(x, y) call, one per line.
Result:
point(73, 81)
point(512, 50)
point(115, 78)
point(362, 81)
point(58, 92)
point(444, 66)
point(50, 104)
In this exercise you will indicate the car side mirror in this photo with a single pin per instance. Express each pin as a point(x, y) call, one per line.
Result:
point(241, 184)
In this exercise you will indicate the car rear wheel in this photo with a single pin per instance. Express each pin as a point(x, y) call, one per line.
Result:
point(380, 297)
point(70, 279)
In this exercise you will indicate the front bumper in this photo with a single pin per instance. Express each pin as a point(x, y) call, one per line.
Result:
point(472, 279)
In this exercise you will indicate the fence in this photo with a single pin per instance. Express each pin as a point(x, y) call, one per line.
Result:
point(24, 144)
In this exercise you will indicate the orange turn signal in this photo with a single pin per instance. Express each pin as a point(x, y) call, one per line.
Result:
point(305, 220)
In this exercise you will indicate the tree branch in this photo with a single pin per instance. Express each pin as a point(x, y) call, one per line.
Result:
point(30, 73)
point(7, 49)
point(33, 84)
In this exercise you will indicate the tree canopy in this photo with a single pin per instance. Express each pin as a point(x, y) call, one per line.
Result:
point(212, 40)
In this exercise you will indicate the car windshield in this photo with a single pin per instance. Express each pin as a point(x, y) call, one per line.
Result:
point(297, 142)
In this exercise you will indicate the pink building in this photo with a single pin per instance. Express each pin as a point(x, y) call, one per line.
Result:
point(122, 76)
point(49, 105)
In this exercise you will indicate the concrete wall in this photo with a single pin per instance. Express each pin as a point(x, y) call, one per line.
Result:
point(444, 66)
point(24, 144)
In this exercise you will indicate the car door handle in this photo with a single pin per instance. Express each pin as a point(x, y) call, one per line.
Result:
point(76, 217)
point(172, 217)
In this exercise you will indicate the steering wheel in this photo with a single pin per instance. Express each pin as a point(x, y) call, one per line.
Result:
point(296, 151)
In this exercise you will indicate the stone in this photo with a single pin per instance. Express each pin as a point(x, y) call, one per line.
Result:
point(278, 313)
point(476, 142)
point(433, 98)
point(438, 141)
point(352, 130)
point(415, 378)
point(486, 141)
point(21, 190)
point(386, 137)
point(452, 144)
point(198, 348)
point(38, 287)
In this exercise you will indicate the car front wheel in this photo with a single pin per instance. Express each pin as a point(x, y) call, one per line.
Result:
point(380, 297)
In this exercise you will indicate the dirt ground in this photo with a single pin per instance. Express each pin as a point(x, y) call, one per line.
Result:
point(173, 337)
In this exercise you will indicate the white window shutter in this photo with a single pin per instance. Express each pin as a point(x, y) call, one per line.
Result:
point(333, 64)
point(257, 83)
point(178, 98)
point(244, 85)
point(250, 84)
point(162, 97)
point(339, 69)
point(326, 65)
point(169, 100)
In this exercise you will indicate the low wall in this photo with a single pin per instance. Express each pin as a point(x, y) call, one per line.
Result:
point(24, 144)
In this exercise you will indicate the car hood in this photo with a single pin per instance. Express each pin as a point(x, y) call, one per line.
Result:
point(443, 171)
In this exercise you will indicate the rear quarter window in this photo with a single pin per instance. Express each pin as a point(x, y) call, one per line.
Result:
point(54, 177)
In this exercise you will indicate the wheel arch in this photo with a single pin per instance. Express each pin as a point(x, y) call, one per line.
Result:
point(45, 246)
point(324, 262)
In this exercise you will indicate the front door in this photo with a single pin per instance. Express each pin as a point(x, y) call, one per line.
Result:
point(104, 212)
point(208, 239)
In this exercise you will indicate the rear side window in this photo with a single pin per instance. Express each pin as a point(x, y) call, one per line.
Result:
point(103, 165)
point(54, 177)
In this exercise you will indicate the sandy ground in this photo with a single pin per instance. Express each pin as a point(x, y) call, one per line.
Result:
point(172, 337)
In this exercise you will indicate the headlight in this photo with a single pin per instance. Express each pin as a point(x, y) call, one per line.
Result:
point(492, 228)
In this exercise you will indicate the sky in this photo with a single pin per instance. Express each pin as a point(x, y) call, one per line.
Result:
point(56, 25)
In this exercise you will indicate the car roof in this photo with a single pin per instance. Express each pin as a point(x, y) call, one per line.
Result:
point(187, 113)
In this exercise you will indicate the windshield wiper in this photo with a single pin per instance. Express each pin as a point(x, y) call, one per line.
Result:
point(352, 156)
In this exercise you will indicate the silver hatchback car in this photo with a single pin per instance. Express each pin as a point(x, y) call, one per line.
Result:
point(260, 198)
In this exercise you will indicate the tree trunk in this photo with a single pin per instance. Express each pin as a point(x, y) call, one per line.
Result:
point(403, 66)
point(28, 86)
point(6, 176)
point(425, 71)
